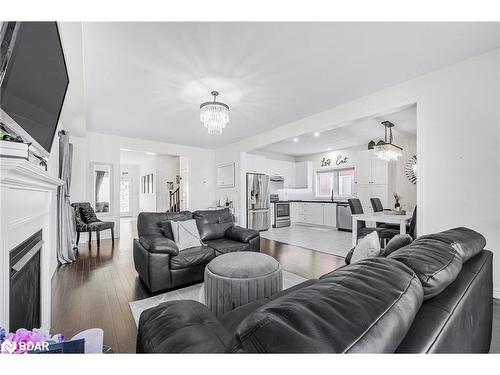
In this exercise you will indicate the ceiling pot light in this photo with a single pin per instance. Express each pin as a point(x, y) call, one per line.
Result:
point(328, 149)
point(386, 150)
point(214, 115)
point(317, 134)
point(295, 139)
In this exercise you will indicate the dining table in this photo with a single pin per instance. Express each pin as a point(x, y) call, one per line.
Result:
point(379, 217)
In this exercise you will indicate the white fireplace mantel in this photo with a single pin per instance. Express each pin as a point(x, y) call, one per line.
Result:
point(28, 203)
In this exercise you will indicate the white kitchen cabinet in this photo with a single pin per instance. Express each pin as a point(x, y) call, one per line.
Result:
point(294, 212)
point(367, 191)
point(370, 169)
point(303, 174)
point(256, 164)
point(379, 171)
point(330, 215)
point(274, 167)
point(289, 174)
point(313, 213)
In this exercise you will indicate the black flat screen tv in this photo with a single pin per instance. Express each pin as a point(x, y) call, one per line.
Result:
point(34, 79)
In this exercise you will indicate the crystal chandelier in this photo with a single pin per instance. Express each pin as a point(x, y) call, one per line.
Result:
point(214, 115)
point(386, 150)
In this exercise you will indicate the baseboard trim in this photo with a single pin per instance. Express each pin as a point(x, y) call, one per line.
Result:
point(496, 293)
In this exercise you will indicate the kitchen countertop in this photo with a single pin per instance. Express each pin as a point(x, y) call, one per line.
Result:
point(312, 201)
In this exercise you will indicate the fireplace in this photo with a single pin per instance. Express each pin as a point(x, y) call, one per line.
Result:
point(25, 283)
point(29, 210)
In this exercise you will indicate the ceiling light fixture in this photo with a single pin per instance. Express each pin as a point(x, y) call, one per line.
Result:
point(386, 150)
point(328, 149)
point(317, 134)
point(295, 139)
point(214, 115)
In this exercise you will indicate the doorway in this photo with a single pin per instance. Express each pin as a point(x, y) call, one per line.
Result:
point(126, 194)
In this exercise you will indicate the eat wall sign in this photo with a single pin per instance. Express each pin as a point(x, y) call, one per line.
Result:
point(327, 162)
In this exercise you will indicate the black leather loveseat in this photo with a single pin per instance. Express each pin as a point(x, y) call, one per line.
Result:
point(162, 266)
point(434, 295)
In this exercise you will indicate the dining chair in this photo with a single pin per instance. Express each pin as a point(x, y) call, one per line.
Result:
point(357, 208)
point(411, 229)
point(378, 207)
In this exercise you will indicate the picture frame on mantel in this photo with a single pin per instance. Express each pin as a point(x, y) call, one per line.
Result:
point(226, 175)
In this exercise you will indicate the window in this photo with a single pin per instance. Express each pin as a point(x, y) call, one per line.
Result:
point(340, 181)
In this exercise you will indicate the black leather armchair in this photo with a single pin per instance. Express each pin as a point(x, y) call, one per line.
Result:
point(162, 266)
point(87, 221)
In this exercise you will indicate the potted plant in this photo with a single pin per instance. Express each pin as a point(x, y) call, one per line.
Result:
point(397, 198)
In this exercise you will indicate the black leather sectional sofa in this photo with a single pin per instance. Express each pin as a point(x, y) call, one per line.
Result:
point(162, 266)
point(432, 296)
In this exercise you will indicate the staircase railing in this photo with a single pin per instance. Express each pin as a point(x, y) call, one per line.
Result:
point(175, 201)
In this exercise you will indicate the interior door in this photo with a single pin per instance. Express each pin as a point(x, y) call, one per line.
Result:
point(125, 197)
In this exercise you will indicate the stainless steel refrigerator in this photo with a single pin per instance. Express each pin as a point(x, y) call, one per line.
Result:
point(258, 215)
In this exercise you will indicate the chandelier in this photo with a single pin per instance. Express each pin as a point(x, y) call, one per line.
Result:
point(386, 150)
point(214, 115)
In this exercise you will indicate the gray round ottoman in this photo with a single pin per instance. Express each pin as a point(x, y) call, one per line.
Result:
point(235, 279)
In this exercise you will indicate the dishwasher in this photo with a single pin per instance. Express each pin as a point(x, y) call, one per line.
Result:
point(344, 217)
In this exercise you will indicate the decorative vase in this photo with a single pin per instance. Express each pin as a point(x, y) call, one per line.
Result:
point(397, 205)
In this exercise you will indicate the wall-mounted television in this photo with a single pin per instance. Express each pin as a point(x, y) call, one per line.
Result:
point(33, 81)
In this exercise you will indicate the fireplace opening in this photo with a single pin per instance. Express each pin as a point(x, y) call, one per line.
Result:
point(24, 305)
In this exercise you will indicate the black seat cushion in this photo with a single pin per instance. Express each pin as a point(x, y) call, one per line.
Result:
point(397, 242)
point(174, 216)
point(212, 224)
point(435, 262)
point(233, 318)
point(459, 319)
point(100, 225)
point(465, 241)
point(365, 307)
point(191, 257)
point(151, 223)
point(224, 245)
point(240, 234)
point(180, 327)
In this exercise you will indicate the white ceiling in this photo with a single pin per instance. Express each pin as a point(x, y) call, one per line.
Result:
point(147, 80)
point(357, 133)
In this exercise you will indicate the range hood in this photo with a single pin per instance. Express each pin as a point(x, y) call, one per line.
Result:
point(277, 178)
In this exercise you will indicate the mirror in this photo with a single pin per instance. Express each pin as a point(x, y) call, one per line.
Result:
point(102, 187)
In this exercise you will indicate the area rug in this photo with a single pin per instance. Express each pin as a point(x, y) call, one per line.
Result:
point(193, 292)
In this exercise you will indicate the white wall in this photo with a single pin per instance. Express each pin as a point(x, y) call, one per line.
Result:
point(398, 183)
point(457, 141)
point(105, 148)
point(147, 201)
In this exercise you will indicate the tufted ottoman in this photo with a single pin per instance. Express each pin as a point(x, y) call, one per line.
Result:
point(235, 279)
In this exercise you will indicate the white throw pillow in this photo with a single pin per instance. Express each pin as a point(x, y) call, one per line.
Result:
point(367, 247)
point(186, 234)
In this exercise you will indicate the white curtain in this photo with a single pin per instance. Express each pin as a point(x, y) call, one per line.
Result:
point(65, 214)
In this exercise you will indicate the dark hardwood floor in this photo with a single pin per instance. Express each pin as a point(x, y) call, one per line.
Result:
point(95, 290)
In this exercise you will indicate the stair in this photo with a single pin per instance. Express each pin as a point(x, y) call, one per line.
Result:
point(175, 201)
